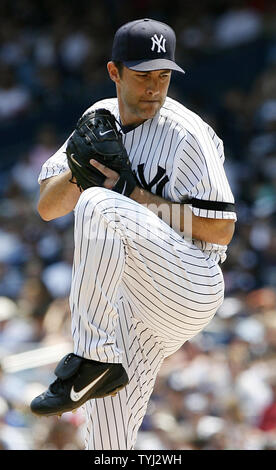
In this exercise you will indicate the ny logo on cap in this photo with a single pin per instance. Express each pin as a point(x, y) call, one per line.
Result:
point(159, 42)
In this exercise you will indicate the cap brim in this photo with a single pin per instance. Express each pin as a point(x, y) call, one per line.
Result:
point(155, 64)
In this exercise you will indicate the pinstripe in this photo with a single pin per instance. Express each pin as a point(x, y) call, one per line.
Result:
point(168, 297)
point(88, 310)
point(207, 195)
point(185, 175)
point(165, 259)
point(99, 425)
point(142, 285)
point(154, 319)
point(115, 405)
point(115, 422)
point(130, 146)
point(198, 169)
point(108, 426)
point(145, 140)
point(209, 286)
point(77, 287)
point(169, 145)
point(182, 184)
point(162, 139)
point(141, 128)
point(185, 114)
point(153, 138)
point(161, 232)
point(85, 258)
point(197, 153)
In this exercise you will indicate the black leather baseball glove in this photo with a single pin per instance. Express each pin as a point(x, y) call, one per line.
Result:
point(96, 137)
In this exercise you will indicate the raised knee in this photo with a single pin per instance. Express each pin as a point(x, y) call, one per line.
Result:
point(91, 198)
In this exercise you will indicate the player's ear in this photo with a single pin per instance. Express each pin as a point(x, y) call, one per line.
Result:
point(113, 71)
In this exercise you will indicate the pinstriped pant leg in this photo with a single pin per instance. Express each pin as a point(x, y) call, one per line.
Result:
point(169, 292)
point(113, 422)
point(99, 261)
point(171, 285)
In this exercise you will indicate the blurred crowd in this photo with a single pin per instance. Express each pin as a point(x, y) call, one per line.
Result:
point(219, 390)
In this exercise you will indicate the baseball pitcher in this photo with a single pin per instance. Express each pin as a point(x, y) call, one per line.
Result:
point(141, 286)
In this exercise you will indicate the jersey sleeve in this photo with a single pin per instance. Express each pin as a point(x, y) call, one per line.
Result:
point(199, 178)
point(55, 165)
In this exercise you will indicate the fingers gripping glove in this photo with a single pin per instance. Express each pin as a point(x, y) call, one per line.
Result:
point(96, 136)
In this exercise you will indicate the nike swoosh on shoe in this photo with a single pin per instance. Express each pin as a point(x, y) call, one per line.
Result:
point(76, 396)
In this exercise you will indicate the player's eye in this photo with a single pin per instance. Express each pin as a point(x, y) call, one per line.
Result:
point(164, 76)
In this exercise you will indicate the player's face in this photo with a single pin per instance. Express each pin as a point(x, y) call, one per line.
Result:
point(141, 94)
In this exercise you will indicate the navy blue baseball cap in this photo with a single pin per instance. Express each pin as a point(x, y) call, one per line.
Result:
point(145, 45)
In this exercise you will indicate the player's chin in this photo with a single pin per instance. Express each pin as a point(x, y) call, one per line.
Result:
point(149, 108)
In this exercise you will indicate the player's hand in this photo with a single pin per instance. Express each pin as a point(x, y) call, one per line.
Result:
point(111, 176)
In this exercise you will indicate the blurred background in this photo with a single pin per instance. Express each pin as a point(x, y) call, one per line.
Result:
point(219, 390)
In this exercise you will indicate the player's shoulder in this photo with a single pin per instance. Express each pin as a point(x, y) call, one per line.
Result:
point(186, 119)
point(177, 112)
point(107, 103)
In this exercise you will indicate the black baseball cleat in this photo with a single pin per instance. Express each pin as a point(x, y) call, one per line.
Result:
point(79, 380)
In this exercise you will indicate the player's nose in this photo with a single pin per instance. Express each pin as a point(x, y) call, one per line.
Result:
point(153, 88)
point(153, 91)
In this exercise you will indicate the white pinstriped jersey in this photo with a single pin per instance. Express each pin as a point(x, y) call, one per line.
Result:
point(177, 156)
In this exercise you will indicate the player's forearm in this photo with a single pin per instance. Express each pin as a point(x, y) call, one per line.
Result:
point(183, 221)
point(218, 231)
point(58, 196)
